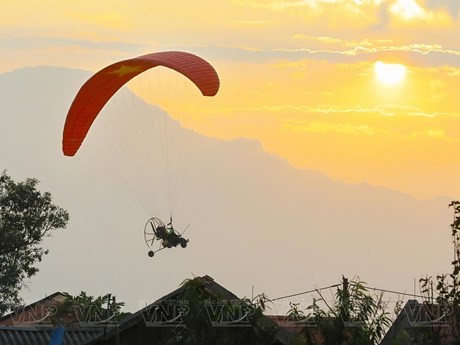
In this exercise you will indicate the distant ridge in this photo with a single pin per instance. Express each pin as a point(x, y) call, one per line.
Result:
point(254, 219)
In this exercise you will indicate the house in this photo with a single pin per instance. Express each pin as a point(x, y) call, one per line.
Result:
point(37, 313)
point(295, 331)
point(203, 305)
point(32, 324)
point(207, 308)
point(218, 315)
point(424, 323)
point(41, 335)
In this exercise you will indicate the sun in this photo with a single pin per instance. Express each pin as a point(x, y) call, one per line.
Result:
point(408, 9)
point(389, 74)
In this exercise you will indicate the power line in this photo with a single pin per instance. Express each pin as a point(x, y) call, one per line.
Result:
point(336, 285)
point(304, 293)
point(392, 291)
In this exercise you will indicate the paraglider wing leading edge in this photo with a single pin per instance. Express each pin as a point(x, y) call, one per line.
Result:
point(97, 91)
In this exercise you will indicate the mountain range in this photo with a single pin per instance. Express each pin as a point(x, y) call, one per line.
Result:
point(255, 222)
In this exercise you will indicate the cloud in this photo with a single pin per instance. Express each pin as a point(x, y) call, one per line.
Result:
point(452, 6)
point(40, 42)
point(454, 72)
point(321, 127)
point(434, 133)
point(384, 110)
point(286, 4)
point(253, 22)
point(437, 90)
point(408, 9)
point(395, 122)
point(324, 39)
point(427, 55)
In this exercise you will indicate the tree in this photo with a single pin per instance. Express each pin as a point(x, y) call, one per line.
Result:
point(355, 316)
point(26, 217)
point(439, 313)
point(445, 291)
point(205, 308)
point(86, 309)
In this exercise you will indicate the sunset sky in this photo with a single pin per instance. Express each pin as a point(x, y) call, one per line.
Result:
point(298, 75)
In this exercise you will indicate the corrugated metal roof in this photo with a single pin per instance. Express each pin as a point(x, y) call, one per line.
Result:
point(42, 335)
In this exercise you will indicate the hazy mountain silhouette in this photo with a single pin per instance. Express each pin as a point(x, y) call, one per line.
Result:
point(255, 220)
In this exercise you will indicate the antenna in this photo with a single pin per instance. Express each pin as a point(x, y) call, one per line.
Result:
point(184, 230)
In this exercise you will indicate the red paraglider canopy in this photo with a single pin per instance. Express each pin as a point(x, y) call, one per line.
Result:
point(96, 92)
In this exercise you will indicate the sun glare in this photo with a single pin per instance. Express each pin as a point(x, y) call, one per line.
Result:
point(389, 74)
point(408, 9)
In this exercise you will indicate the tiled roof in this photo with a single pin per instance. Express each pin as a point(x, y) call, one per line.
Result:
point(15, 315)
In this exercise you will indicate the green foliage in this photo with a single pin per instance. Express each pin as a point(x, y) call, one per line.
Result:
point(355, 316)
point(447, 285)
point(26, 216)
point(85, 309)
point(205, 323)
point(443, 290)
point(358, 317)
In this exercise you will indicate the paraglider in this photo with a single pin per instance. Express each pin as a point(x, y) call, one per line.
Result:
point(96, 92)
point(99, 89)
point(166, 235)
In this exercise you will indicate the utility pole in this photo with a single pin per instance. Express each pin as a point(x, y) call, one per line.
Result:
point(117, 338)
point(109, 297)
point(345, 303)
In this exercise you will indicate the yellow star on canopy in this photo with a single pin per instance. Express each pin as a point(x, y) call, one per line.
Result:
point(124, 69)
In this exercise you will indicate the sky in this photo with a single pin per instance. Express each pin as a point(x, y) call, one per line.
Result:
point(255, 222)
point(316, 83)
point(297, 75)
